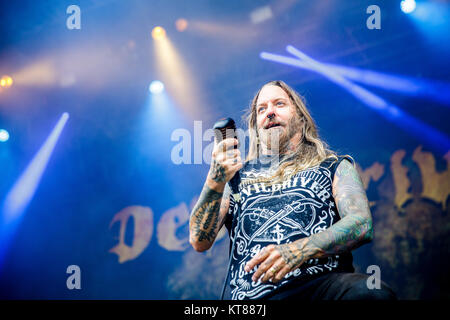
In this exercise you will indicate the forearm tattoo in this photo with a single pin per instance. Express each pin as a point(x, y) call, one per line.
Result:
point(217, 172)
point(205, 215)
point(296, 253)
point(355, 226)
point(292, 254)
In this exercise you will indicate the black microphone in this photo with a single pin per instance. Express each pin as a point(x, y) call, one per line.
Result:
point(223, 129)
point(226, 128)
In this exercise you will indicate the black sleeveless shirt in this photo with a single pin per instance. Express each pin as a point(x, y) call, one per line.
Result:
point(300, 206)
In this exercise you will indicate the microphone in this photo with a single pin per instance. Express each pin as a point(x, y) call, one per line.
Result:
point(223, 129)
point(226, 128)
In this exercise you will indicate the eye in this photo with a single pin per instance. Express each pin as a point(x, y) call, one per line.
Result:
point(280, 103)
point(261, 109)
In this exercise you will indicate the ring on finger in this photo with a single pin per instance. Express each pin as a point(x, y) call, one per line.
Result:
point(273, 270)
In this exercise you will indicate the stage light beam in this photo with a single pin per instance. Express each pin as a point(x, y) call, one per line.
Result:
point(422, 131)
point(22, 192)
point(431, 89)
point(177, 78)
point(25, 187)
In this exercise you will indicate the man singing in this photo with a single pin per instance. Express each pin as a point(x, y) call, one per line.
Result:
point(301, 208)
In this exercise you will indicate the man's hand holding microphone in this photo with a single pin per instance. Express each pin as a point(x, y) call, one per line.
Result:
point(225, 162)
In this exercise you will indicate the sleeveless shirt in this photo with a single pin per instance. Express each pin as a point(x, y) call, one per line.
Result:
point(299, 206)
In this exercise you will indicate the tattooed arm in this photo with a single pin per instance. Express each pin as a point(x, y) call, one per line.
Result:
point(208, 215)
point(355, 227)
point(351, 231)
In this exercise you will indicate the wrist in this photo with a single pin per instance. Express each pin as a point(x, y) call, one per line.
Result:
point(308, 249)
point(218, 186)
point(312, 249)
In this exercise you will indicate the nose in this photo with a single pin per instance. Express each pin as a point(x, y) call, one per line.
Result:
point(270, 111)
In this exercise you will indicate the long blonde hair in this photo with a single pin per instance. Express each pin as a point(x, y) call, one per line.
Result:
point(311, 150)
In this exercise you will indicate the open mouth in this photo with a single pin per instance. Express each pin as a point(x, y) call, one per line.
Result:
point(272, 125)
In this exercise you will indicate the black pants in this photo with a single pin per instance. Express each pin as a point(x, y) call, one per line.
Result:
point(337, 286)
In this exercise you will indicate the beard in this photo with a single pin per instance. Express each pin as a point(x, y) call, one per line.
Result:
point(278, 140)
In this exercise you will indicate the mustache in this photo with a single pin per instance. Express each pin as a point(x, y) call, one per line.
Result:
point(274, 122)
point(277, 140)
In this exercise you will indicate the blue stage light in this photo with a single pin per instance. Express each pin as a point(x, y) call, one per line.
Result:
point(416, 87)
point(429, 135)
point(156, 87)
point(20, 195)
point(4, 135)
point(408, 6)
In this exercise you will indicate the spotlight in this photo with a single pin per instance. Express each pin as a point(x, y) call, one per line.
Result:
point(181, 24)
point(19, 197)
point(156, 87)
point(6, 81)
point(4, 135)
point(158, 33)
point(23, 190)
point(408, 6)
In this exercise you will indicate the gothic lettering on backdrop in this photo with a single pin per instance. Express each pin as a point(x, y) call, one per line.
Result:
point(143, 229)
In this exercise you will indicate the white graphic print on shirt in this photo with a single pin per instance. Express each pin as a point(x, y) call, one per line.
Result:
point(280, 213)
